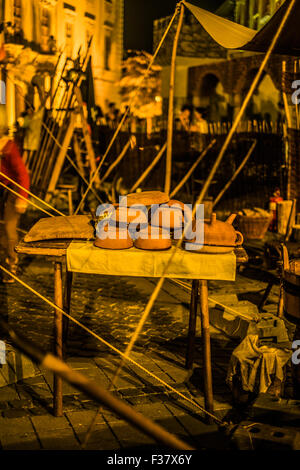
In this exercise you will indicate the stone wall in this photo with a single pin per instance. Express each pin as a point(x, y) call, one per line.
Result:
point(194, 40)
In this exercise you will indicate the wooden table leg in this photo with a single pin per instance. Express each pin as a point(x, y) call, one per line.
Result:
point(58, 338)
point(67, 305)
point(204, 313)
point(192, 325)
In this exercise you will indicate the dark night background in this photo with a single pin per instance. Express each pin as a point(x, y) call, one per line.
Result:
point(139, 16)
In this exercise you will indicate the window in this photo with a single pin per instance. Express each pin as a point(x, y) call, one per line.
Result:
point(45, 29)
point(107, 51)
point(69, 39)
point(18, 15)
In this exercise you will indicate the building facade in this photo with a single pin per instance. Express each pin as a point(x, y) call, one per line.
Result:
point(217, 79)
point(255, 13)
point(36, 32)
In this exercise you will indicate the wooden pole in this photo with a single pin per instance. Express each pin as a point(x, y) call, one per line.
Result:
point(192, 169)
point(285, 100)
point(61, 158)
point(58, 337)
point(171, 103)
point(204, 313)
point(116, 162)
point(220, 195)
point(86, 135)
point(149, 169)
point(96, 392)
point(246, 102)
point(192, 325)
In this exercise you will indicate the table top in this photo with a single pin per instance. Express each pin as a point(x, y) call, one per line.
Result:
point(58, 249)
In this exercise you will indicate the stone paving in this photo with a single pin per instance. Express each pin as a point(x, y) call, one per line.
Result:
point(111, 307)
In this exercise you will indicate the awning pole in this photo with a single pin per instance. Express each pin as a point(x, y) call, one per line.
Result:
point(245, 103)
point(168, 176)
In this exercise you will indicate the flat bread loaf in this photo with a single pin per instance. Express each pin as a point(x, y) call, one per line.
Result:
point(147, 198)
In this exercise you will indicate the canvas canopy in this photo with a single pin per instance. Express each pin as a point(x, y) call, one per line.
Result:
point(235, 36)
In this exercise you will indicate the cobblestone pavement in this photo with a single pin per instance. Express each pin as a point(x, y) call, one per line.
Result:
point(111, 307)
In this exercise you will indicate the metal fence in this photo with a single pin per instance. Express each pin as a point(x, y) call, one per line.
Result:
point(264, 171)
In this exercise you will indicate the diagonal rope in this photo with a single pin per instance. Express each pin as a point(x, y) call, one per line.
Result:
point(31, 194)
point(216, 302)
point(203, 191)
point(126, 112)
point(248, 97)
point(24, 199)
point(48, 130)
point(106, 343)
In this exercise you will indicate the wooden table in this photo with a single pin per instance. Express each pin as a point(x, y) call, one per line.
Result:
point(56, 251)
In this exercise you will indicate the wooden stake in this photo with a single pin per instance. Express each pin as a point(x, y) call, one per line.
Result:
point(192, 325)
point(60, 159)
point(58, 337)
point(87, 137)
point(116, 162)
point(149, 169)
point(204, 312)
point(285, 100)
point(220, 195)
point(171, 104)
point(192, 169)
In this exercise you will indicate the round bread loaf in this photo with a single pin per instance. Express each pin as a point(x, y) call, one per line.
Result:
point(147, 198)
point(128, 215)
point(187, 209)
point(168, 217)
point(113, 238)
point(153, 238)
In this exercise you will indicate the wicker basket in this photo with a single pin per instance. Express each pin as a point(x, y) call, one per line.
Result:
point(254, 228)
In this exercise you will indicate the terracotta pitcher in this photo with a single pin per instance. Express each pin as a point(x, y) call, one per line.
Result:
point(219, 237)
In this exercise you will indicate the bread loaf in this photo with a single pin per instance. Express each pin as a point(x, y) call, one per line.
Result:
point(113, 238)
point(153, 238)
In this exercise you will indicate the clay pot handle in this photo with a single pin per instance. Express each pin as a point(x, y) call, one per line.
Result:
point(240, 239)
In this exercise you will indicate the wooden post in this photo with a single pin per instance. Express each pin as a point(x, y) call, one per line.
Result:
point(58, 338)
point(116, 162)
point(87, 137)
point(171, 104)
point(192, 325)
point(61, 158)
point(204, 313)
point(192, 169)
point(148, 169)
point(67, 306)
point(220, 195)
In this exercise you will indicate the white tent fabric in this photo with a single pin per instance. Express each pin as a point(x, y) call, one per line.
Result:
point(227, 33)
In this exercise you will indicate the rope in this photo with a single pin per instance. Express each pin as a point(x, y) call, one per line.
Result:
point(31, 194)
point(57, 143)
point(24, 199)
point(229, 309)
point(126, 112)
point(106, 343)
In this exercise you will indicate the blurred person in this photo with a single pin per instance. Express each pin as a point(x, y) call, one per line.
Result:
point(199, 128)
point(11, 165)
point(184, 121)
point(199, 124)
point(112, 116)
point(31, 122)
